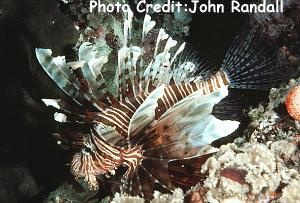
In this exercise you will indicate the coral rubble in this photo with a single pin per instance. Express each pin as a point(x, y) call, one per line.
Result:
point(176, 197)
point(253, 172)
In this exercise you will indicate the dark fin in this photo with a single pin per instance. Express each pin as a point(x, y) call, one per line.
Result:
point(252, 63)
point(158, 169)
point(132, 186)
point(144, 182)
point(187, 172)
point(231, 107)
point(147, 183)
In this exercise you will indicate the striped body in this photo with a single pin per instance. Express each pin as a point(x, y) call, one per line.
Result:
point(99, 157)
point(162, 112)
point(120, 113)
point(106, 157)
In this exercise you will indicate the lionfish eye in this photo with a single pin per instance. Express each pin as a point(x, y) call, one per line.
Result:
point(88, 150)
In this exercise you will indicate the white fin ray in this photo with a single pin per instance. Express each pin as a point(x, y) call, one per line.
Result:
point(180, 74)
point(58, 70)
point(145, 114)
point(56, 103)
point(96, 65)
point(86, 52)
point(170, 43)
point(147, 26)
point(127, 60)
point(60, 117)
point(161, 68)
point(179, 50)
point(91, 66)
point(162, 35)
point(128, 28)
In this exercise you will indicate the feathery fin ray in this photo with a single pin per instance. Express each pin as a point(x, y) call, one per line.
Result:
point(252, 63)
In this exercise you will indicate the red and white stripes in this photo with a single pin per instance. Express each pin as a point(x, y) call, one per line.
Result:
point(176, 92)
point(98, 157)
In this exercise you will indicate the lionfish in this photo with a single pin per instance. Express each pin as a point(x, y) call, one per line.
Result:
point(156, 126)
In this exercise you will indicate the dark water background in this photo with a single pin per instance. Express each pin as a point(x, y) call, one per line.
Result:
point(31, 164)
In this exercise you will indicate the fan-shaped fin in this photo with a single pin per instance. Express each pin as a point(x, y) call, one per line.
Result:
point(159, 170)
point(252, 63)
point(141, 183)
point(186, 127)
point(133, 184)
point(176, 92)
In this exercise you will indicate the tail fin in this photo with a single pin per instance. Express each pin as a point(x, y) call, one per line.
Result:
point(252, 63)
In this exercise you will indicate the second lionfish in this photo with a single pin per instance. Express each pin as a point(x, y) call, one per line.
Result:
point(153, 130)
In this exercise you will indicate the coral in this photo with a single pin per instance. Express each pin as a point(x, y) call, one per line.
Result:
point(252, 172)
point(126, 199)
point(176, 197)
point(277, 24)
point(291, 193)
point(183, 16)
point(283, 30)
point(278, 95)
point(176, 28)
point(266, 124)
point(67, 193)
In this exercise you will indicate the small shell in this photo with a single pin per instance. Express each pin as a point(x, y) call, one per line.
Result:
point(292, 102)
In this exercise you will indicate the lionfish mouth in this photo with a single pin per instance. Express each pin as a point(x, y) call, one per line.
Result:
point(91, 162)
point(161, 117)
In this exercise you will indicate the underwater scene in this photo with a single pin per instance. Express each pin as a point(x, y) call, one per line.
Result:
point(150, 101)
